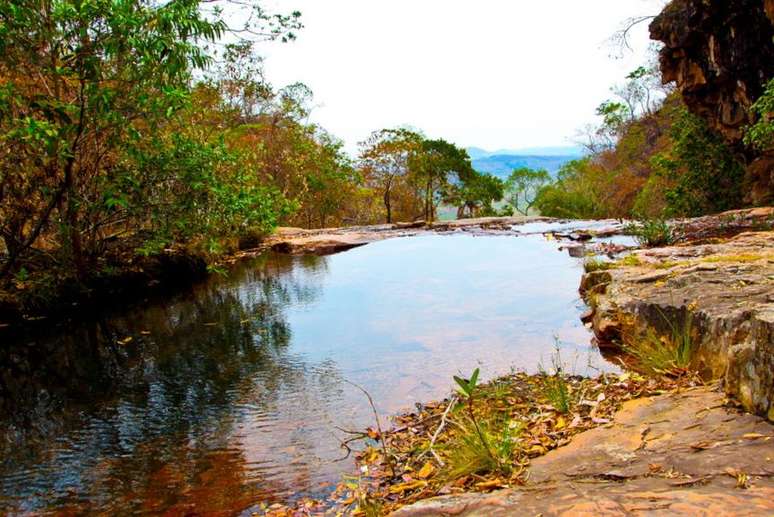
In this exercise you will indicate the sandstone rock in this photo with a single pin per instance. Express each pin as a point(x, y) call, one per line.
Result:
point(670, 455)
point(333, 240)
point(726, 287)
point(721, 54)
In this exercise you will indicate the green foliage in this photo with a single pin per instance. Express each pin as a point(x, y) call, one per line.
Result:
point(596, 264)
point(387, 159)
point(651, 232)
point(663, 355)
point(468, 454)
point(475, 194)
point(467, 387)
point(523, 186)
point(557, 392)
point(760, 135)
point(96, 139)
point(614, 115)
point(574, 193)
point(707, 176)
point(649, 156)
point(478, 450)
point(436, 166)
point(412, 175)
point(555, 386)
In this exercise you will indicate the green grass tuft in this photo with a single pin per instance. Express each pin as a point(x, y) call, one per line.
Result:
point(652, 233)
point(664, 355)
point(596, 264)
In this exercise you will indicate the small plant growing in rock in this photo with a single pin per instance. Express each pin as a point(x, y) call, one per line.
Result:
point(596, 264)
point(651, 232)
point(629, 261)
point(664, 355)
point(555, 386)
point(478, 449)
point(466, 389)
point(468, 454)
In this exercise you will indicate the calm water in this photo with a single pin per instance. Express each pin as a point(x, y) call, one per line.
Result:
point(230, 395)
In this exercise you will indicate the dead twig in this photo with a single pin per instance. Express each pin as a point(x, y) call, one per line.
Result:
point(378, 425)
point(452, 402)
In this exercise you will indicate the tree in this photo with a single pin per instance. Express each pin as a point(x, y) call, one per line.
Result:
point(706, 175)
point(475, 193)
point(438, 163)
point(385, 159)
point(523, 186)
point(93, 96)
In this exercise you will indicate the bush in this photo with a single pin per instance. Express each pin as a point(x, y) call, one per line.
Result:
point(706, 174)
point(761, 134)
point(651, 232)
point(574, 194)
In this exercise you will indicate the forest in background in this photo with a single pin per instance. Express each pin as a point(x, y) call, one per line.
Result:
point(651, 158)
point(138, 129)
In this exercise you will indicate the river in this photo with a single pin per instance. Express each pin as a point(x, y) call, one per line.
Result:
point(233, 393)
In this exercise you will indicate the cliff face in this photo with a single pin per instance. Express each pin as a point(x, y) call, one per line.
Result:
point(720, 53)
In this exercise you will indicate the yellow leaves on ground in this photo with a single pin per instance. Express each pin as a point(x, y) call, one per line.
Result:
point(426, 470)
point(403, 487)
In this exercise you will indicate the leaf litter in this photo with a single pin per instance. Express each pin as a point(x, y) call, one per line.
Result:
point(433, 451)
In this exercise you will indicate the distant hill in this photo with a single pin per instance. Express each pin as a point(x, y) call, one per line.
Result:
point(501, 163)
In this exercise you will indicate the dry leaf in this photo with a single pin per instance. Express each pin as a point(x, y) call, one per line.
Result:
point(404, 487)
point(426, 470)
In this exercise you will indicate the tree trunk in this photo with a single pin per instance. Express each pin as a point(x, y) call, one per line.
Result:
point(387, 206)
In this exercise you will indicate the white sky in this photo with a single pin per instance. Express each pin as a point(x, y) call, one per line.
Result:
point(486, 73)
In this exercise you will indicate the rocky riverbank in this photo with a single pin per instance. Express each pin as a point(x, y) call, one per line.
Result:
point(719, 289)
point(683, 453)
point(298, 241)
point(682, 440)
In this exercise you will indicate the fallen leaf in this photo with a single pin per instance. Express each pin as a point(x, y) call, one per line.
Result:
point(426, 470)
point(486, 485)
point(404, 487)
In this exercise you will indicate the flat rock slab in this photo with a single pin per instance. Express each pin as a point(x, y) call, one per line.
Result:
point(326, 241)
point(726, 287)
point(676, 454)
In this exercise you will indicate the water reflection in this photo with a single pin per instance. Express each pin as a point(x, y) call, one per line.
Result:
point(229, 395)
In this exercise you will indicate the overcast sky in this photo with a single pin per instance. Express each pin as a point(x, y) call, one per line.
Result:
point(486, 73)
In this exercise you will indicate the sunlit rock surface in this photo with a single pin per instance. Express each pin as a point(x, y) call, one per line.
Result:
point(726, 288)
point(678, 454)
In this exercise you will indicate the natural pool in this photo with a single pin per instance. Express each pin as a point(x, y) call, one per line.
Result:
point(231, 394)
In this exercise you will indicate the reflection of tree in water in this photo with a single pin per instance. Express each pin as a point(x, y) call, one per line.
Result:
point(194, 369)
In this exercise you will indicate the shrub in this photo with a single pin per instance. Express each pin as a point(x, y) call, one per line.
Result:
point(707, 175)
point(761, 134)
point(651, 232)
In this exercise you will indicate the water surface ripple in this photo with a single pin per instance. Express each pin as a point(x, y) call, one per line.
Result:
point(229, 395)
